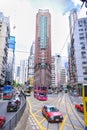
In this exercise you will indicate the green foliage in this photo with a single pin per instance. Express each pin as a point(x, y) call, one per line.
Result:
point(15, 84)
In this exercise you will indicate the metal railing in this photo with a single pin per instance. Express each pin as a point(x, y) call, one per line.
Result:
point(11, 124)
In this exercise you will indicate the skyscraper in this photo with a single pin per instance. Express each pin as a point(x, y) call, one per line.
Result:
point(4, 42)
point(42, 62)
point(10, 61)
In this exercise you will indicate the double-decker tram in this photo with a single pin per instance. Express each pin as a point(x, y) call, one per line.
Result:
point(40, 92)
point(42, 81)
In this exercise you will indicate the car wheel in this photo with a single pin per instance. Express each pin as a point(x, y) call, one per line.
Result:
point(48, 119)
point(43, 114)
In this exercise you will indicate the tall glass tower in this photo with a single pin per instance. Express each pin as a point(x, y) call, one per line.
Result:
point(42, 61)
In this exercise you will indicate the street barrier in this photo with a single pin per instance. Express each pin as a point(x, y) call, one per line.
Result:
point(11, 124)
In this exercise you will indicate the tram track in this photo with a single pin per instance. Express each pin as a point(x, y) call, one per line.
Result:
point(57, 103)
point(79, 122)
point(57, 100)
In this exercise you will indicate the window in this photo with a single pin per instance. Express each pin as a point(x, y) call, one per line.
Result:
point(81, 34)
point(80, 29)
point(81, 38)
point(80, 25)
point(84, 67)
point(84, 62)
point(85, 73)
point(81, 42)
point(43, 31)
point(83, 52)
point(83, 56)
point(83, 47)
point(85, 78)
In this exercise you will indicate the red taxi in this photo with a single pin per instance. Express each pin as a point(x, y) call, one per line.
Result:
point(79, 107)
point(2, 121)
point(52, 114)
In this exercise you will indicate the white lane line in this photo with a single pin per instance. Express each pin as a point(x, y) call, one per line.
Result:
point(33, 123)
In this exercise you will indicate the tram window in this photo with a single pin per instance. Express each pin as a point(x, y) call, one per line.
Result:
point(86, 106)
point(85, 91)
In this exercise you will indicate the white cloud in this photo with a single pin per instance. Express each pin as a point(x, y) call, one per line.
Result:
point(23, 14)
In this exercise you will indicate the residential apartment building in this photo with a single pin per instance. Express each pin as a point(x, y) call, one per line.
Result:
point(78, 52)
point(53, 83)
point(62, 76)
point(17, 74)
point(23, 71)
point(4, 42)
point(58, 72)
point(58, 69)
point(42, 61)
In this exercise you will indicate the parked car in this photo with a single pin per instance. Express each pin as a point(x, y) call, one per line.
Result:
point(12, 106)
point(52, 114)
point(2, 121)
point(79, 107)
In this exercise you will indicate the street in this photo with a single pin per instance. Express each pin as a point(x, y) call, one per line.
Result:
point(72, 119)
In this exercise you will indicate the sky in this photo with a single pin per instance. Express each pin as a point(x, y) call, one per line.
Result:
point(22, 15)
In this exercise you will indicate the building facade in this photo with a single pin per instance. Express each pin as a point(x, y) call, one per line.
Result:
point(62, 77)
point(42, 61)
point(23, 71)
point(30, 77)
point(10, 61)
point(78, 53)
point(53, 83)
point(4, 42)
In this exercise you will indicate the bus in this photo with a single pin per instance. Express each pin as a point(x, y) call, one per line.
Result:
point(7, 92)
point(27, 90)
point(40, 92)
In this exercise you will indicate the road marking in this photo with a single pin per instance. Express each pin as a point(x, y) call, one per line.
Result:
point(39, 125)
point(39, 117)
point(42, 120)
point(75, 126)
point(37, 111)
point(65, 118)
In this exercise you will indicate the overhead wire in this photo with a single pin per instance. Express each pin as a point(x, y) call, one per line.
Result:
point(67, 38)
point(21, 51)
point(64, 43)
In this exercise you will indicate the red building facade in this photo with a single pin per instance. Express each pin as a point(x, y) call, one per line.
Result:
point(42, 61)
